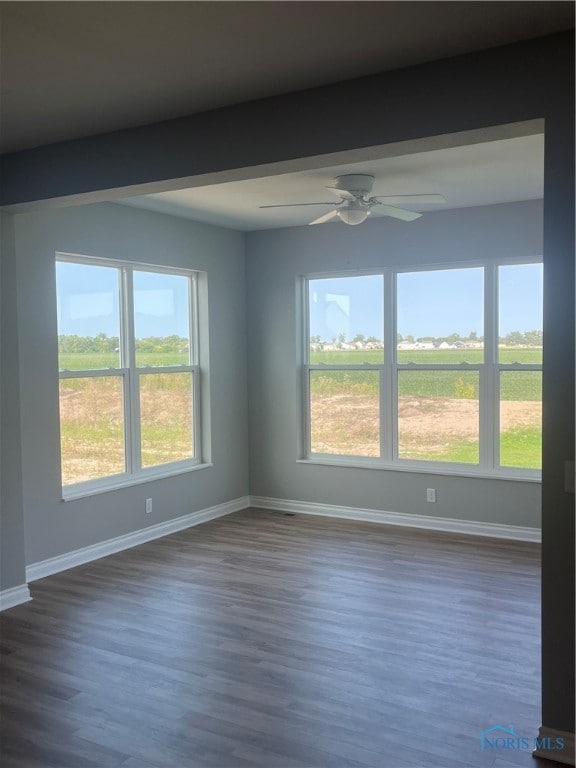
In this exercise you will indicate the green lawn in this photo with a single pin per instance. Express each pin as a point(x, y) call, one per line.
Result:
point(430, 356)
point(520, 447)
point(521, 385)
point(74, 361)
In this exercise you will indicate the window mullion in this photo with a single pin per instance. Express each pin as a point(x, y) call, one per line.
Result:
point(305, 442)
point(388, 407)
point(439, 366)
point(129, 347)
point(489, 402)
point(194, 360)
point(307, 422)
point(193, 352)
point(345, 367)
point(88, 373)
point(519, 366)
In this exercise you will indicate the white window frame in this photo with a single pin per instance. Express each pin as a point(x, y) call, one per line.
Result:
point(130, 374)
point(488, 385)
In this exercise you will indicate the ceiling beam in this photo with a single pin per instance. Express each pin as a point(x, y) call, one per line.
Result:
point(433, 99)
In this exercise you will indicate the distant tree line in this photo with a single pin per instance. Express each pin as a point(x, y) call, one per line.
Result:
point(72, 343)
point(527, 339)
point(513, 339)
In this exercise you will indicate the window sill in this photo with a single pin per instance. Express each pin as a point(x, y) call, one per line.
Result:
point(125, 482)
point(422, 469)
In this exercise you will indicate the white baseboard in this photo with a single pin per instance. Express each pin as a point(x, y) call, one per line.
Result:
point(564, 756)
point(96, 551)
point(448, 524)
point(14, 596)
point(85, 555)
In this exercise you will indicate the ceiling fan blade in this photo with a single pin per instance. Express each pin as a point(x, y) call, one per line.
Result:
point(412, 199)
point(325, 219)
point(380, 209)
point(343, 194)
point(294, 205)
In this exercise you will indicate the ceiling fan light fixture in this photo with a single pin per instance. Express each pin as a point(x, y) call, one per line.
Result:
point(353, 213)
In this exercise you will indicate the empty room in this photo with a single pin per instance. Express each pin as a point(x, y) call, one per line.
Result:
point(287, 384)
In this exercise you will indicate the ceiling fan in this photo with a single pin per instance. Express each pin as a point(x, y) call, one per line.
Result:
point(355, 204)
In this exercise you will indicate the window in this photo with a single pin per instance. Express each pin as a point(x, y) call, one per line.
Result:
point(426, 369)
point(129, 372)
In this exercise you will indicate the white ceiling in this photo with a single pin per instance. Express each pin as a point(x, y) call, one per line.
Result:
point(72, 69)
point(484, 173)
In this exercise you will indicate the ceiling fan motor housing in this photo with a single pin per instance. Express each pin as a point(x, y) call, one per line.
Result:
point(357, 183)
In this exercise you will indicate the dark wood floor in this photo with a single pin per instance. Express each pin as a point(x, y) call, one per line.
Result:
point(262, 639)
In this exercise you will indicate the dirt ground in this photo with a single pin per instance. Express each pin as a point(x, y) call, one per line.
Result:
point(348, 424)
point(351, 422)
point(92, 431)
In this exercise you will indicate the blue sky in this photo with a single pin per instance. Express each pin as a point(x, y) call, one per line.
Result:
point(88, 302)
point(434, 303)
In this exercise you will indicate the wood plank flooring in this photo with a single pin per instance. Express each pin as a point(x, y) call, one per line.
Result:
point(277, 641)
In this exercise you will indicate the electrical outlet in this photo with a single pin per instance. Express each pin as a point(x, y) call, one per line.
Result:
point(431, 495)
point(148, 506)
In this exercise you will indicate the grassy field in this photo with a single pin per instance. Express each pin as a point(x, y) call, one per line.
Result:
point(522, 385)
point(92, 424)
point(430, 356)
point(346, 422)
point(91, 360)
point(92, 420)
point(438, 411)
point(519, 447)
point(522, 447)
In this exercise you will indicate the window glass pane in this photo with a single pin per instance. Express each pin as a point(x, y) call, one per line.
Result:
point(345, 412)
point(166, 418)
point(520, 313)
point(88, 316)
point(438, 416)
point(347, 319)
point(91, 428)
point(161, 319)
point(521, 419)
point(440, 316)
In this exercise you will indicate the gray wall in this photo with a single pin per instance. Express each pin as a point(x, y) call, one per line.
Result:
point(12, 563)
point(275, 261)
point(54, 527)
